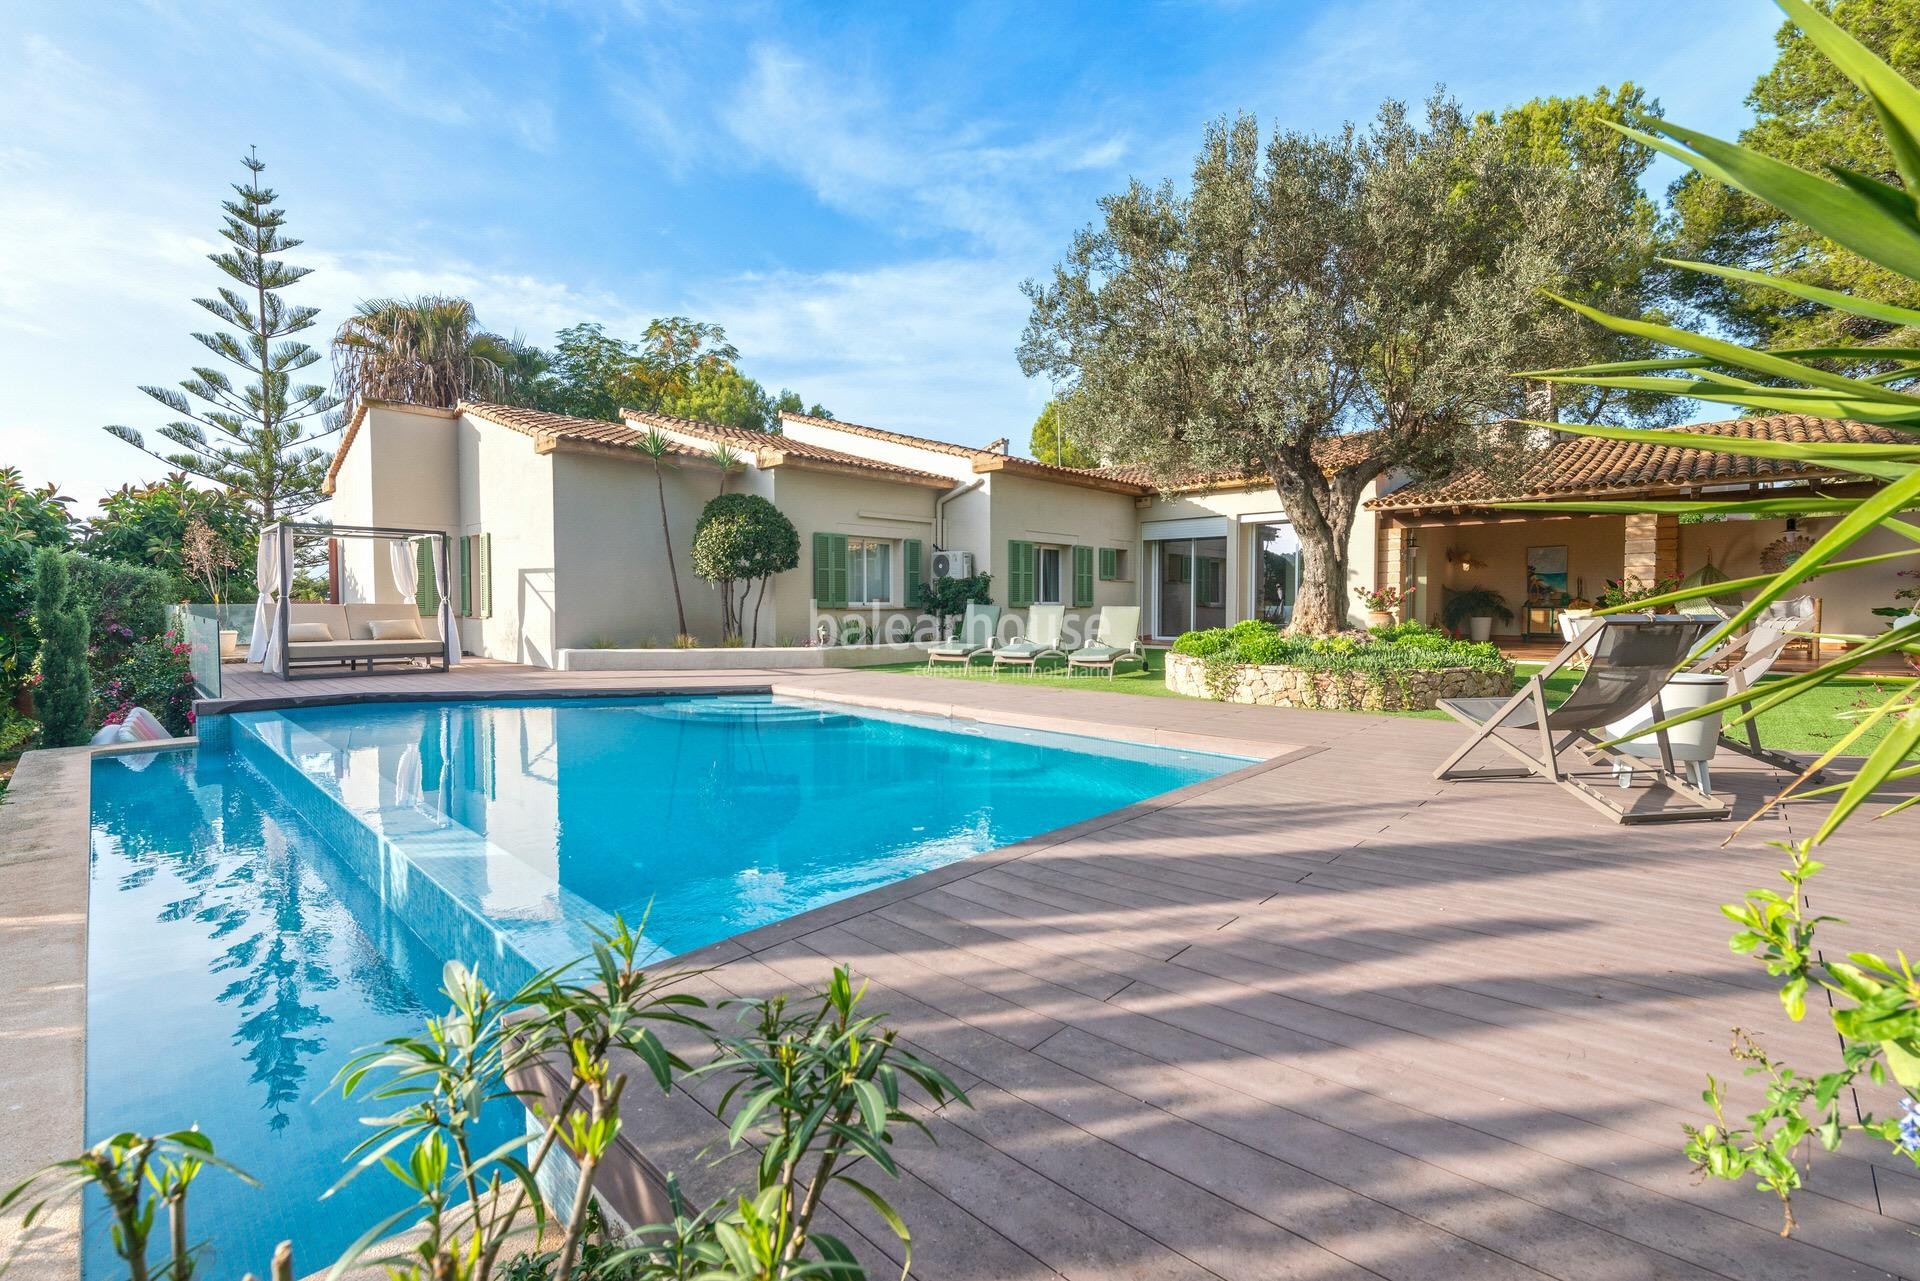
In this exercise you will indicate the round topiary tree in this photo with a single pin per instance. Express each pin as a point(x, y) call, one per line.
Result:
point(742, 539)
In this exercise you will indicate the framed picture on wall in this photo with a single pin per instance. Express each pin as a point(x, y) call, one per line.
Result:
point(1546, 575)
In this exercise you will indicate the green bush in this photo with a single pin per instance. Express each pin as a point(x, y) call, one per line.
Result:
point(122, 602)
point(64, 693)
point(1408, 646)
point(16, 731)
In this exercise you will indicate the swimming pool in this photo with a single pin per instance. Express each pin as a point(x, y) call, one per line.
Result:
point(262, 907)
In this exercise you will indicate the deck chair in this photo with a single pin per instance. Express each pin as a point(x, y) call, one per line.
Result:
point(1113, 639)
point(1045, 623)
point(974, 638)
point(1629, 658)
point(1801, 616)
point(1748, 657)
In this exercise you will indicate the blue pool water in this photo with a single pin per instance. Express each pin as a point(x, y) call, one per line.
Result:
point(263, 908)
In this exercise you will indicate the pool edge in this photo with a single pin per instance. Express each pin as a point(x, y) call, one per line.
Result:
point(46, 814)
point(45, 819)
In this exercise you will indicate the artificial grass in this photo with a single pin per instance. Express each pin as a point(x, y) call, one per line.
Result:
point(1813, 722)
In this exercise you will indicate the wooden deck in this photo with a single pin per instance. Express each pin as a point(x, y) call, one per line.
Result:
point(1322, 1018)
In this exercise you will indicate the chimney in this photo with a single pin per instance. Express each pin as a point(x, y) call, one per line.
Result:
point(1540, 408)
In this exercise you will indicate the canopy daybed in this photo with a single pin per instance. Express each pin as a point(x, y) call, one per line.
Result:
point(289, 633)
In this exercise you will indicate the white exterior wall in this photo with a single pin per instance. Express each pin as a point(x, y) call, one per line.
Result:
point(1047, 513)
point(506, 490)
point(1244, 510)
point(819, 502)
point(613, 587)
point(937, 461)
point(400, 472)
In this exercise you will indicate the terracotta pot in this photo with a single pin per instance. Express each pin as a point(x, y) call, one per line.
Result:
point(1379, 618)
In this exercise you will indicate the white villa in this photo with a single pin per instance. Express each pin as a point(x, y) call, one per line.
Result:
point(559, 549)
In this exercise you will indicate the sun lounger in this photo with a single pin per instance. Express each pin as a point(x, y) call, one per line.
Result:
point(1630, 658)
point(974, 639)
point(1045, 623)
point(1114, 639)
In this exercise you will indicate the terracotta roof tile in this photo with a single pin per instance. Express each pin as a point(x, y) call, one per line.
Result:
point(1334, 452)
point(761, 443)
point(546, 427)
point(1589, 467)
point(879, 433)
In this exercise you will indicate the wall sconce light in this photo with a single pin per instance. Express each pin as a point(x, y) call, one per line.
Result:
point(1457, 557)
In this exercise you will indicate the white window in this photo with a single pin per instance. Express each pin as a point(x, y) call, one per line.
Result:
point(1046, 588)
point(869, 572)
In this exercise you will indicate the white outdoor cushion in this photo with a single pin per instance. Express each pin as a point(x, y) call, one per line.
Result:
point(304, 633)
point(395, 628)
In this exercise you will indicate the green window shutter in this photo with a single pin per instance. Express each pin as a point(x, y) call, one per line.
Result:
point(837, 545)
point(466, 577)
point(484, 544)
point(1082, 576)
point(1019, 574)
point(425, 594)
point(822, 570)
point(910, 567)
point(1109, 565)
point(830, 570)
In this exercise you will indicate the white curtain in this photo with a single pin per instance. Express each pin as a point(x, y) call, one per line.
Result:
point(266, 574)
point(406, 569)
point(448, 637)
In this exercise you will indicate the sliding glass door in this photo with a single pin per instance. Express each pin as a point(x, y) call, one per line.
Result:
point(1190, 585)
point(1276, 572)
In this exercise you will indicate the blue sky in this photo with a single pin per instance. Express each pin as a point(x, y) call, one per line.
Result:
point(854, 191)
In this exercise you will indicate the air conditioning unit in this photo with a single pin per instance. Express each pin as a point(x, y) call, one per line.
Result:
point(953, 564)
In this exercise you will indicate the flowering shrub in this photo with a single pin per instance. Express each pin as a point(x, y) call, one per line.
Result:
point(1381, 600)
point(151, 673)
point(1408, 646)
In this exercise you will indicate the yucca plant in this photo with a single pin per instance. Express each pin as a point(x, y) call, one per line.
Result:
point(1875, 1001)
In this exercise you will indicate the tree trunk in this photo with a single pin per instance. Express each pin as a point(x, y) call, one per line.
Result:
point(666, 543)
point(1321, 508)
point(1322, 606)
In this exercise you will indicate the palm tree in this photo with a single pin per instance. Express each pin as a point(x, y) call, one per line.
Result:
point(523, 369)
point(726, 460)
point(423, 351)
point(658, 448)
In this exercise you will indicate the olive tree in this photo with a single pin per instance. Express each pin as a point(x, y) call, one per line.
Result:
point(742, 539)
point(1382, 281)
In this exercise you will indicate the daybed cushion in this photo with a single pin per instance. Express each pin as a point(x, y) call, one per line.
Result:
point(334, 616)
point(383, 629)
point(345, 649)
point(306, 633)
point(360, 618)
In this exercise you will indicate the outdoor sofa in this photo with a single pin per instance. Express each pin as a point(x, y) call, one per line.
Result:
point(357, 634)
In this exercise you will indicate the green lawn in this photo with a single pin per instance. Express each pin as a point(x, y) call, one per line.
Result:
point(1131, 680)
point(1810, 723)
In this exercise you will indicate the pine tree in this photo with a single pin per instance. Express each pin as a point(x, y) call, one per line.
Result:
point(256, 439)
point(65, 697)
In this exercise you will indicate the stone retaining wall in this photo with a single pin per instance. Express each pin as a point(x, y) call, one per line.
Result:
point(1339, 691)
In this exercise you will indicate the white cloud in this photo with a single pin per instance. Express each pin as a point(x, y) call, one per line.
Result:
point(921, 347)
point(904, 163)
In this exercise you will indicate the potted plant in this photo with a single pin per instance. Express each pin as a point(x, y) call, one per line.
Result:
point(1477, 607)
point(1381, 602)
